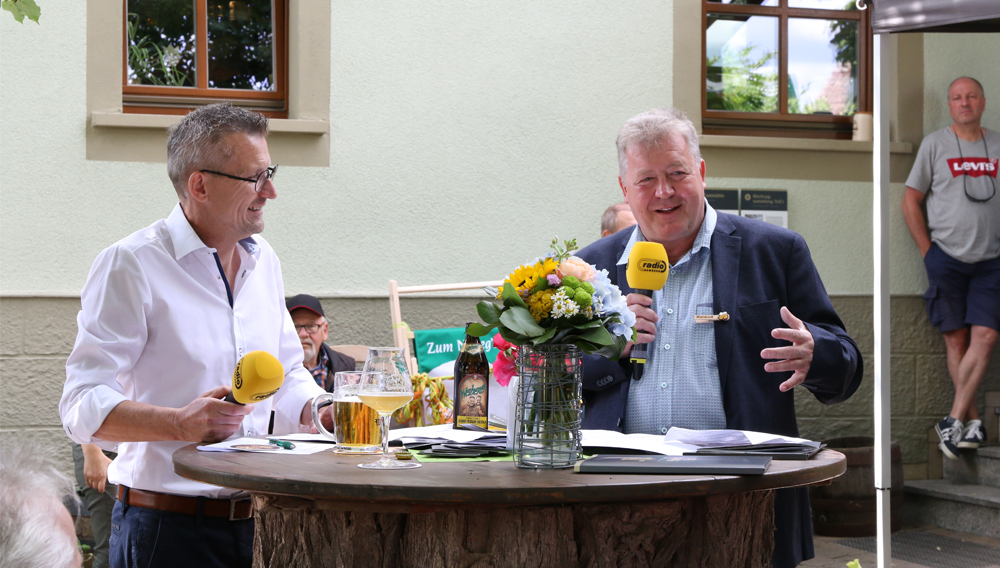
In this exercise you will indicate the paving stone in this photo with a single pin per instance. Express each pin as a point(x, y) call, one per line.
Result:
point(51, 441)
point(30, 389)
point(50, 325)
point(11, 326)
point(934, 390)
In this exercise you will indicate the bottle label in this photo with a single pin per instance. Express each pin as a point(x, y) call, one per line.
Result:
point(472, 395)
point(472, 348)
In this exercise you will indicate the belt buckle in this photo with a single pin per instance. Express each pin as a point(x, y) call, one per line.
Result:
point(232, 507)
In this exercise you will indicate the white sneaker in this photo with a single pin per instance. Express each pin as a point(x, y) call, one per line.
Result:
point(973, 435)
point(949, 430)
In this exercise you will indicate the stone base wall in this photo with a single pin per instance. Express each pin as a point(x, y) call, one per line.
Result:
point(921, 392)
point(37, 334)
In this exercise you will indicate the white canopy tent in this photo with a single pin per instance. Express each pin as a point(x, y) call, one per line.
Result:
point(894, 16)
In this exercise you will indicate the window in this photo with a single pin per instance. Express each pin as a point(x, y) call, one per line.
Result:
point(180, 54)
point(785, 67)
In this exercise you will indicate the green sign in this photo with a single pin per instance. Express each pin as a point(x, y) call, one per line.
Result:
point(437, 346)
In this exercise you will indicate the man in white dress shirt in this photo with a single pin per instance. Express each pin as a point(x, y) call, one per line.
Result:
point(166, 314)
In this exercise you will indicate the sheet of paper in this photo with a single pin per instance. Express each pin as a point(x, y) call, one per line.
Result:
point(304, 437)
point(646, 442)
point(260, 445)
point(445, 431)
point(724, 437)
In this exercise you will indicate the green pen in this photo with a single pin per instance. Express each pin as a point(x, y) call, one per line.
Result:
point(282, 444)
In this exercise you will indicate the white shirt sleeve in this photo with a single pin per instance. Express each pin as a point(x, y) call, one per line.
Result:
point(112, 334)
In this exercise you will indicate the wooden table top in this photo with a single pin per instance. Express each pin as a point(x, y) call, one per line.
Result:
point(336, 477)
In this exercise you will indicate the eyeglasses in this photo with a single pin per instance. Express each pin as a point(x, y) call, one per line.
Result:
point(258, 182)
point(310, 328)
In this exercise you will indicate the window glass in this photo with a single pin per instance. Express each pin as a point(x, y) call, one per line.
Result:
point(747, 2)
point(823, 4)
point(240, 45)
point(161, 43)
point(822, 66)
point(742, 63)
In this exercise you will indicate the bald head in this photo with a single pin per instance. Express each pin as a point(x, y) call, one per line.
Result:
point(616, 218)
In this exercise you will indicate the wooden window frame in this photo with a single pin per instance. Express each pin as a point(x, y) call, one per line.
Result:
point(156, 99)
point(783, 123)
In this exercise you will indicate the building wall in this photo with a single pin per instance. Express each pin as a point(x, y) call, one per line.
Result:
point(462, 137)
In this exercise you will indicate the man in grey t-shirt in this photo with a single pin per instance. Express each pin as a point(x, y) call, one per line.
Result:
point(956, 171)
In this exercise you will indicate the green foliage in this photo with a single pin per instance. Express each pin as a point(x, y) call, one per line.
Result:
point(565, 251)
point(21, 9)
point(240, 35)
point(845, 40)
point(745, 85)
point(160, 62)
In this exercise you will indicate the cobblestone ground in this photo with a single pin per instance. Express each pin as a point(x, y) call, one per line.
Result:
point(829, 554)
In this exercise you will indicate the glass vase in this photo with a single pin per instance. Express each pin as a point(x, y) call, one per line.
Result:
point(548, 410)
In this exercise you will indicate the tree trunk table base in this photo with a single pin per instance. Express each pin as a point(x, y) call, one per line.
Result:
point(728, 531)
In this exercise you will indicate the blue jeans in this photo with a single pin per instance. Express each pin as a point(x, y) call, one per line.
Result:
point(142, 538)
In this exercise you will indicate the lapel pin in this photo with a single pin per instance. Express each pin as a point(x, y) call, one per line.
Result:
point(723, 316)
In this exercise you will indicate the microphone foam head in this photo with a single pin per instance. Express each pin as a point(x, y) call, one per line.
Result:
point(258, 375)
point(647, 266)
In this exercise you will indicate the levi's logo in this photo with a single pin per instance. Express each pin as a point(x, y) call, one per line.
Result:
point(973, 167)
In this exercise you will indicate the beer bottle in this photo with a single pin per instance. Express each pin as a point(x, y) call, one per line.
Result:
point(472, 384)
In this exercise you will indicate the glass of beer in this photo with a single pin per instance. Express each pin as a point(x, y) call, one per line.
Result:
point(356, 428)
point(385, 387)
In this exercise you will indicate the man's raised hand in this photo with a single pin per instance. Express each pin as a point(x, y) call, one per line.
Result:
point(796, 357)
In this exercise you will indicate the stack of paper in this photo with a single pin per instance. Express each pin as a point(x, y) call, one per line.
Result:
point(744, 443)
point(444, 441)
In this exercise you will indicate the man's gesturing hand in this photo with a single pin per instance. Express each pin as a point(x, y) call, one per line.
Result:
point(209, 419)
point(795, 357)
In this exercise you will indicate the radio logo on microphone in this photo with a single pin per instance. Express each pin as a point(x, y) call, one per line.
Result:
point(238, 377)
point(652, 265)
point(262, 396)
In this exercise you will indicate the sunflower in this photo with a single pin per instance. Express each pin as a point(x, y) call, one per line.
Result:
point(523, 279)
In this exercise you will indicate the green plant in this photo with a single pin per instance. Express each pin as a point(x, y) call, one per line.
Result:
point(560, 299)
point(149, 63)
point(21, 9)
point(745, 85)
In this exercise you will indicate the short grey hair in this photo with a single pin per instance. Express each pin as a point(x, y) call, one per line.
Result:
point(982, 91)
point(610, 218)
point(650, 129)
point(29, 536)
point(198, 140)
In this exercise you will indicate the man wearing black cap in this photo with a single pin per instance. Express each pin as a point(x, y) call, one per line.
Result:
point(311, 325)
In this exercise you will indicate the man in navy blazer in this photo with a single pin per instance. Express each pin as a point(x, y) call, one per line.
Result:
point(782, 331)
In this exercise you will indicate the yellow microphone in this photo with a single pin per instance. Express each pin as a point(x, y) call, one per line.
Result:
point(646, 271)
point(258, 375)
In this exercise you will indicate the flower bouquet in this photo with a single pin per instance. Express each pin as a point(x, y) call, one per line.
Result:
point(553, 309)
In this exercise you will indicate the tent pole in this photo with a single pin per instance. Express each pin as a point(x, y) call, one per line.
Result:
point(880, 237)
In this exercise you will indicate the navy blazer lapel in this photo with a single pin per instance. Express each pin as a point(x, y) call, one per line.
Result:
point(622, 281)
point(726, 248)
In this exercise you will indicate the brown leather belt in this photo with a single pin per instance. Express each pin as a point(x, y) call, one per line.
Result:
point(235, 509)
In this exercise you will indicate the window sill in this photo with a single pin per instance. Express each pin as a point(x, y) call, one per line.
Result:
point(767, 157)
point(164, 121)
point(816, 145)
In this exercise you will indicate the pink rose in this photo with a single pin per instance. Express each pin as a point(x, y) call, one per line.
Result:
point(500, 343)
point(504, 368)
point(576, 267)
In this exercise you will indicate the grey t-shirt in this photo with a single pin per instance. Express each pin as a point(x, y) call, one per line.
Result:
point(965, 230)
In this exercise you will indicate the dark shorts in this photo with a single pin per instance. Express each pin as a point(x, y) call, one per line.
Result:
point(960, 294)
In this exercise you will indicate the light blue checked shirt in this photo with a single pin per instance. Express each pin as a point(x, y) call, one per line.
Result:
point(680, 384)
